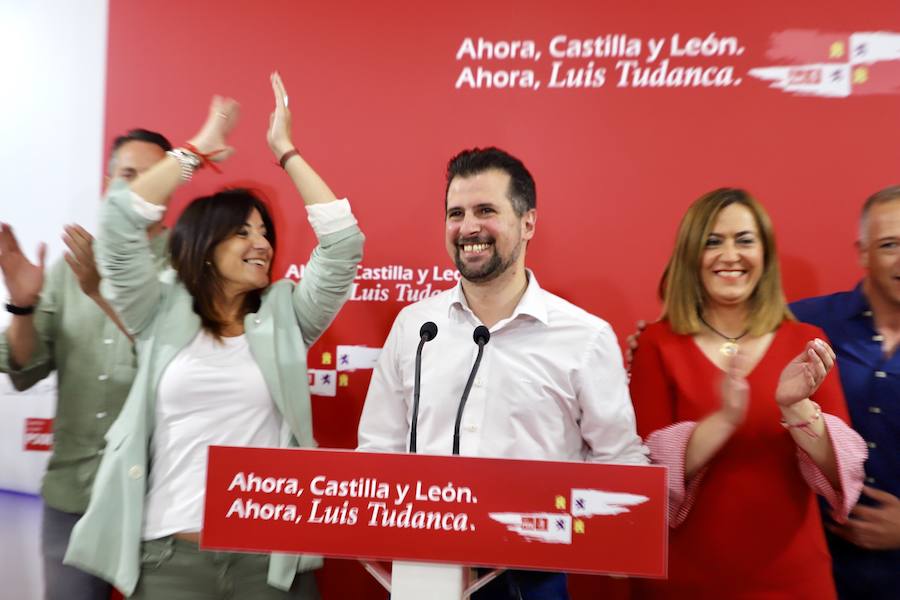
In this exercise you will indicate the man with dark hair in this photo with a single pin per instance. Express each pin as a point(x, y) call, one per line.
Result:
point(863, 326)
point(521, 191)
point(61, 323)
point(140, 135)
point(551, 384)
point(125, 167)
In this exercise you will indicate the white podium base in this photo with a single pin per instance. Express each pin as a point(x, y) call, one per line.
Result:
point(427, 581)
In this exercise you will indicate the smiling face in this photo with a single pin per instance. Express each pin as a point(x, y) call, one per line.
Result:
point(880, 253)
point(733, 258)
point(244, 259)
point(484, 236)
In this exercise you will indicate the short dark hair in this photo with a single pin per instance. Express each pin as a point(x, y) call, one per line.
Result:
point(883, 196)
point(522, 192)
point(141, 135)
point(205, 223)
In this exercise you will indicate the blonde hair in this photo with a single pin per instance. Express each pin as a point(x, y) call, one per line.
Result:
point(681, 288)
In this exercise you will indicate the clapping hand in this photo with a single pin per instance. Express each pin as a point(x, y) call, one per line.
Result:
point(279, 134)
point(80, 259)
point(212, 139)
point(23, 279)
point(803, 375)
point(735, 391)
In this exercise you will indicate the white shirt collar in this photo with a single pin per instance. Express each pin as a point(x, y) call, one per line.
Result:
point(531, 303)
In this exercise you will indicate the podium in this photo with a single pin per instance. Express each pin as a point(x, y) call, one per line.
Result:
point(414, 581)
point(433, 516)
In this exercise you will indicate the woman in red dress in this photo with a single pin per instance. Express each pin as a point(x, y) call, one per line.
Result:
point(731, 394)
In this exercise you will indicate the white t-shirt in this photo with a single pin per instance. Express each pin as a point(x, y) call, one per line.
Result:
point(212, 393)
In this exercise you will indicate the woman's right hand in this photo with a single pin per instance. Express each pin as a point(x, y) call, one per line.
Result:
point(735, 391)
point(23, 279)
point(212, 139)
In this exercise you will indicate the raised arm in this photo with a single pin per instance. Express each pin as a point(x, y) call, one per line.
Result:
point(130, 279)
point(210, 145)
point(312, 189)
point(332, 266)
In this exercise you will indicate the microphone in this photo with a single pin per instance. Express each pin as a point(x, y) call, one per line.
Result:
point(481, 336)
point(427, 332)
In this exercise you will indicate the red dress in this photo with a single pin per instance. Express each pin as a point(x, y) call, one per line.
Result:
point(753, 530)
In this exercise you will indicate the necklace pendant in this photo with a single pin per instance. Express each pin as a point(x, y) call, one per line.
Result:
point(729, 348)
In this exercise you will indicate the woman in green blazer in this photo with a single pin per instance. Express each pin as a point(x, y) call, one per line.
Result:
point(221, 359)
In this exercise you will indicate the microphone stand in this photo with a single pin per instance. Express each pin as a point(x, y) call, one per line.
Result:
point(427, 332)
point(481, 336)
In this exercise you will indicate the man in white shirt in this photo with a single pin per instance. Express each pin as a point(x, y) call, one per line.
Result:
point(551, 384)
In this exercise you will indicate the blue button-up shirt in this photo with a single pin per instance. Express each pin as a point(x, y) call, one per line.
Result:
point(871, 383)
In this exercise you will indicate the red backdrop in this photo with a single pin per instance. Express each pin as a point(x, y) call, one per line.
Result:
point(373, 89)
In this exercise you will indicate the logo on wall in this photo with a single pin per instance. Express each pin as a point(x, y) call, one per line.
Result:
point(38, 435)
point(833, 65)
point(324, 382)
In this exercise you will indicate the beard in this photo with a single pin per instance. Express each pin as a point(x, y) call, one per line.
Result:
point(491, 269)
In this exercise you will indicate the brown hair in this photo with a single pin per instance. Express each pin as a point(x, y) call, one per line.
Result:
point(205, 223)
point(680, 287)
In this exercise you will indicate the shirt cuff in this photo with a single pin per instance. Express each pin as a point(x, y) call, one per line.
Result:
point(330, 217)
point(668, 447)
point(147, 210)
point(850, 453)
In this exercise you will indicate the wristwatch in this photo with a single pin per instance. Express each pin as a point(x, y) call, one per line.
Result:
point(189, 162)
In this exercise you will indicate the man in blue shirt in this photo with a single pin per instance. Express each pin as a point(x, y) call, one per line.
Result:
point(863, 326)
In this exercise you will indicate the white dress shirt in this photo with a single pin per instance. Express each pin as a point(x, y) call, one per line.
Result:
point(551, 384)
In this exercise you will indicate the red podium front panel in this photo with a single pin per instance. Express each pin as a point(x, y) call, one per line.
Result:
point(558, 516)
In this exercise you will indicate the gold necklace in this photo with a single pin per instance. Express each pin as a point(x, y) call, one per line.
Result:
point(730, 347)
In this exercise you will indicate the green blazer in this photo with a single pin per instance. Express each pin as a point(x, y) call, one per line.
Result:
point(158, 311)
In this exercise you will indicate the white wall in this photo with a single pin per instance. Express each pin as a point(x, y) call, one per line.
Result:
point(52, 73)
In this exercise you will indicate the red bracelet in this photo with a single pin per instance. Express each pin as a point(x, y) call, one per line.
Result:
point(206, 158)
point(287, 156)
point(805, 426)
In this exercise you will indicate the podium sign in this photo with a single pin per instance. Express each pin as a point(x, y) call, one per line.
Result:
point(555, 516)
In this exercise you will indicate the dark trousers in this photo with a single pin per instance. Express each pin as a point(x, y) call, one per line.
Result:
point(524, 585)
point(62, 582)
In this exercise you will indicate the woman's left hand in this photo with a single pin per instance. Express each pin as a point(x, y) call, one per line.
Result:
point(803, 375)
point(279, 134)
